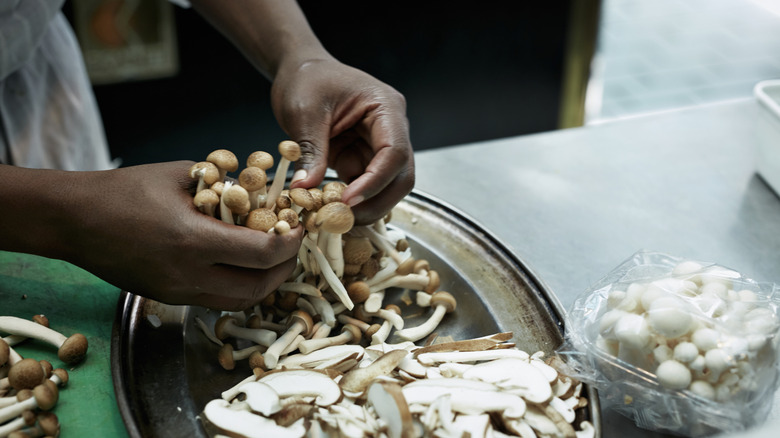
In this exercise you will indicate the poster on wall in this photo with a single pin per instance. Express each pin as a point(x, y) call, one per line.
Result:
point(126, 40)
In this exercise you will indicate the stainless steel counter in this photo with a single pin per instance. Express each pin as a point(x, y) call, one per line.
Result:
point(576, 203)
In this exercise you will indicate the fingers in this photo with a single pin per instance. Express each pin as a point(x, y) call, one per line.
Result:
point(244, 247)
point(311, 130)
point(235, 288)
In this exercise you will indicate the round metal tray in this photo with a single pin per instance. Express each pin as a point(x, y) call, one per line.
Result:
point(165, 370)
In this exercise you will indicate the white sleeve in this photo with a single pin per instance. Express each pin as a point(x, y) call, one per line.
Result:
point(22, 25)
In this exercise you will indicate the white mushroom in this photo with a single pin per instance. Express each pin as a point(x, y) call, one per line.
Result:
point(71, 350)
point(290, 151)
point(442, 303)
point(261, 398)
point(226, 327)
point(247, 424)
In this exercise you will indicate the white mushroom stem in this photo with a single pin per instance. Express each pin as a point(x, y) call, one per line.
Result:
point(207, 331)
point(346, 319)
point(300, 288)
point(275, 350)
point(374, 301)
point(293, 345)
point(414, 334)
point(409, 281)
point(423, 299)
point(348, 334)
point(16, 424)
point(324, 309)
point(380, 336)
point(390, 316)
point(258, 336)
point(225, 214)
point(333, 281)
point(330, 244)
point(42, 398)
point(388, 267)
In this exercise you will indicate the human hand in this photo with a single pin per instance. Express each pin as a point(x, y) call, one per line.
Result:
point(351, 122)
point(139, 230)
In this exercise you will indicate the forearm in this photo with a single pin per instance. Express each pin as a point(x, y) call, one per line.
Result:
point(39, 210)
point(270, 33)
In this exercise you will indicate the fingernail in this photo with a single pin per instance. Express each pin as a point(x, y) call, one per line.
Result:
point(299, 175)
point(355, 200)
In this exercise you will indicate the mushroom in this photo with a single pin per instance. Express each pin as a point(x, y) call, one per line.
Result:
point(442, 303)
point(513, 375)
point(261, 398)
point(261, 159)
point(333, 220)
point(26, 374)
point(331, 192)
point(349, 333)
point(254, 179)
point(323, 355)
point(246, 424)
point(227, 356)
point(333, 281)
point(226, 327)
point(43, 397)
point(471, 356)
point(358, 291)
point(290, 152)
point(235, 200)
point(5, 352)
point(301, 199)
point(304, 383)
point(357, 380)
point(300, 322)
point(12, 340)
point(390, 405)
point(261, 219)
point(27, 418)
point(380, 335)
point(71, 350)
point(288, 215)
point(225, 161)
point(206, 173)
point(206, 201)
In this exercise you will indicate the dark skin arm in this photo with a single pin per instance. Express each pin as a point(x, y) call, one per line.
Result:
point(342, 117)
point(138, 229)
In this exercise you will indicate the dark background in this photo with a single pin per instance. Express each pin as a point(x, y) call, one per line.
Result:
point(469, 71)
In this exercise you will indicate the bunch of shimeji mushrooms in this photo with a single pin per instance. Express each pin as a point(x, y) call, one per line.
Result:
point(320, 346)
point(29, 388)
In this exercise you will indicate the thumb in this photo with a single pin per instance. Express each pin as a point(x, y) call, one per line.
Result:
point(312, 134)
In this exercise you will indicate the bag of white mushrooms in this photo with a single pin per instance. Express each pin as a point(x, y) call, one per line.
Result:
point(679, 346)
point(327, 356)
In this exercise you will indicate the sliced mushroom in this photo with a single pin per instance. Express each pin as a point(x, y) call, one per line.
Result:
point(390, 405)
point(246, 424)
point(304, 383)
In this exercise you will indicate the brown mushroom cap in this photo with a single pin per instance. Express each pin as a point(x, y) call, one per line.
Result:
point(406, 267)
point(260, 159)
point(225, 357)
point(336, 217)
point(220, 327)
point(45, 398)
point(370, 268)
point(357, 250)
point(290, 150)
point(252, 179)
point(62, 374)
point(206, 201)
point(396, 309)
point(305, 318)
point(41, 319)
point(354, 332)
point(5, 352)
point(218, 187)
point(223, 159)
point(316, 195)
point(373, 328)
point(261, 219)
point(74, 349)
point(358, 291)
point(442, 298)
point(330, 197)
point(309, 221)
point(334, 186)
point(49, 423)
point(433, 282)
point(236, 199)
point(26, 374)
point(288, 215)
point(302, 197)
point(208, 170)
point(283, 201)
point(256, 360)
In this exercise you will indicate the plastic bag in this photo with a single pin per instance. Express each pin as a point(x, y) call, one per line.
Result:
point(683, 347)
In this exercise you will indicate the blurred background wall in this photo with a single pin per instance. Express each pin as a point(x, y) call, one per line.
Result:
point(470, 72)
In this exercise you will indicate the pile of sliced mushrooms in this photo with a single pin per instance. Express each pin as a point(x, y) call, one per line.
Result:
point(29, 388)
point(329, 358)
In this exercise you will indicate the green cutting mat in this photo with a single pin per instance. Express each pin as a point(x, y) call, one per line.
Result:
point(74, 301)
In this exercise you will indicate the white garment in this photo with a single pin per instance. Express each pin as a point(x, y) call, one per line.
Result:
point(48, 114)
